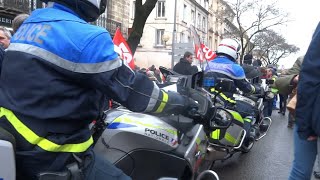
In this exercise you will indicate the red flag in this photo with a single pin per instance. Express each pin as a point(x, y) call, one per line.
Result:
point(121, 47)
point(197, 43)
point(208, 53)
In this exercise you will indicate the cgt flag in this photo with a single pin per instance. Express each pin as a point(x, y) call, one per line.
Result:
point(208, 53)
point(122, 48)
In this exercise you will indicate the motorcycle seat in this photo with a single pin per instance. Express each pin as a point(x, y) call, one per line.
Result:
point(6, 136)
point(7, 155)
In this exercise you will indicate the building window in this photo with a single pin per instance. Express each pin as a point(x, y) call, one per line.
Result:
point(204, 24)
point(159, 35)
point(204, 40)
point(133, 9)
point(210, 42)
point(161, 8)
point(199, 21)
point(189, 39)
point(182, 38)
point(184, 18)
point(192, 17)
point(215, 43)
point(206, 4)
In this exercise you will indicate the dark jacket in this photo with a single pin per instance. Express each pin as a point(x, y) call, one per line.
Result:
point(185, 68)
point(51, 90)
point(283, 83)
point(308, 99)
point(2, 52)
point(252, 73)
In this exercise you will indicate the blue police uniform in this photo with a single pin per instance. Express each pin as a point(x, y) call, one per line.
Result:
point(223, 67)
point(57, 76)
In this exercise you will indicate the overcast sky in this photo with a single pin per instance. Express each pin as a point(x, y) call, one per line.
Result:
point(305, 15)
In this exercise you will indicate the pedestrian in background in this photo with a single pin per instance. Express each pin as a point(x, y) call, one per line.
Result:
point(307, 114)
point(184, 66)
point(285, 84)
point(5, 37)
point(18, 20)
point(283, 103)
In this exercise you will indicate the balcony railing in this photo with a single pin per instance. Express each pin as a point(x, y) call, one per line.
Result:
point(14, 6)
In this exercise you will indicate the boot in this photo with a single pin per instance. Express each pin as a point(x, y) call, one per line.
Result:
point(263, 127)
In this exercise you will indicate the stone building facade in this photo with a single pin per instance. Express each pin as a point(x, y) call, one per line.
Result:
point(116, 15)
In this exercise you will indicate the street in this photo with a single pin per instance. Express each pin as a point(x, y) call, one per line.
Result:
point(269, 159)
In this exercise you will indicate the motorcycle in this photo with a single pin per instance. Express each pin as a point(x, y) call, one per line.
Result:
point(161, 146)
point(148, 146)
point(223, 143)
point(259, 125)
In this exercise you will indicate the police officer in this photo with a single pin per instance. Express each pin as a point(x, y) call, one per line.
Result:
point(56, 78)
point(225, 66)
point(252, 73)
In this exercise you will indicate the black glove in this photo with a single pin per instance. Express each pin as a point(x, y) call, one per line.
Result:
point(258, 89)
point(178, 104)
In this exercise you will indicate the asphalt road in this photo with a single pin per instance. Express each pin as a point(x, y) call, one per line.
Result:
point(269, 159)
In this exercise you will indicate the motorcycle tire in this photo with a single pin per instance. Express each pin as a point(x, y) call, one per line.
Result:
point(247, 146)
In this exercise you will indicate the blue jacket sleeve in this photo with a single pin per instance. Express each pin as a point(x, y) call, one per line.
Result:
point(244, 86)
point(308, 102)
point(115, 79)
point(241, 82)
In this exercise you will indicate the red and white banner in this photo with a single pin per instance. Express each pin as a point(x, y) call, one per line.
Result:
point(208, 53)
point(122, 48)
point(202, 51)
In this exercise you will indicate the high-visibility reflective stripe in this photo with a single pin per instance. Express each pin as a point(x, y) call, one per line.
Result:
point(236, 116)
point(154, 98)
point(163, 103)
point(253, 89)
point(215, 134)
point(230, 138)
point(274, 90)
point(223, 96)
point(87, 68)
point(246, 119)
point(43, 143)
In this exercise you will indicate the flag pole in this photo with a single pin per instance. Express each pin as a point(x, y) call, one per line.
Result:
point(174, 33)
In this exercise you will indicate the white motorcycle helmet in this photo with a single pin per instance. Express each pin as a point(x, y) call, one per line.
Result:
point(89, 10)
point(229, 47)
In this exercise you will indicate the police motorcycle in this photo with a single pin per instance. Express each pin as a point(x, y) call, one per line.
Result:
point(260, 125)
point(223, 142)
point(148, 146)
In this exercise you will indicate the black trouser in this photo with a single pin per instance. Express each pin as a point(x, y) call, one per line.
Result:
point(283, 103)
point(268, 107)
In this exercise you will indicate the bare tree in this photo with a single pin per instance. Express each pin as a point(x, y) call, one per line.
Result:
point(142, 12)
point(270, 47)
point(252, 17)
